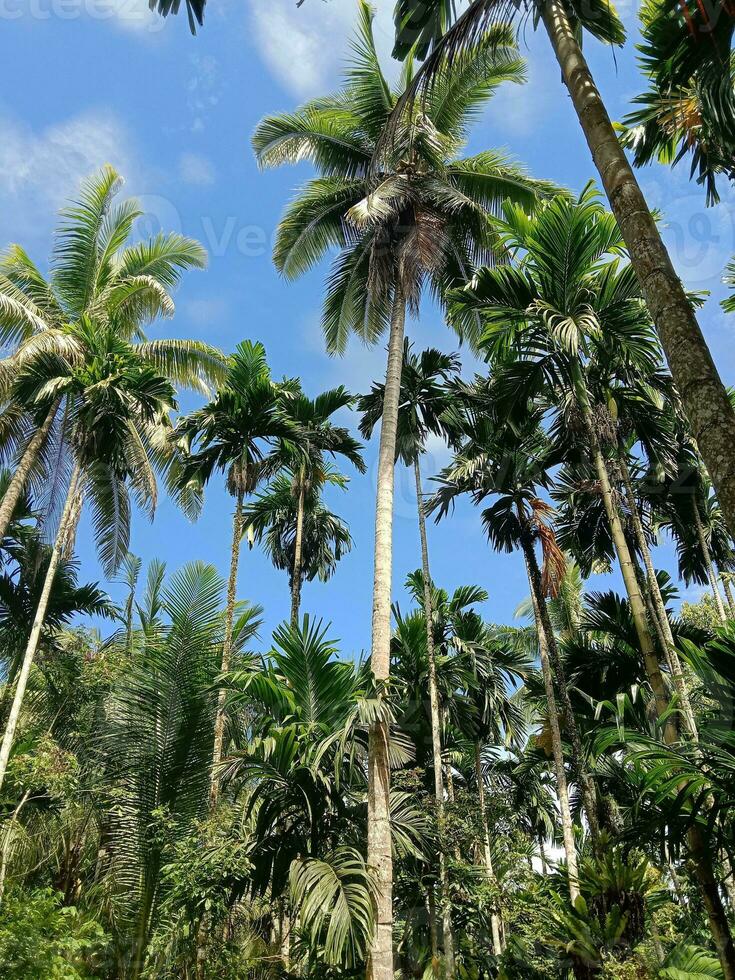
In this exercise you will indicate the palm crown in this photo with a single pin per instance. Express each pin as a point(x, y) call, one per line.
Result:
point(423, 217)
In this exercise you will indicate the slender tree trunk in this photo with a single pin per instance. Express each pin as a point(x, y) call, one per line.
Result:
point(298, 554)
point(23, 471)
point(620, 543)
point(556, 745)
point(8, 840)
point(586, 785)
point(495, 917)
point(703, 395)
point(542, 855)
point(380, 857)
point(219, 722)
point(659, 611)
point(728, 595)
point(709, 564)
point(436, 742)
point(35, 635)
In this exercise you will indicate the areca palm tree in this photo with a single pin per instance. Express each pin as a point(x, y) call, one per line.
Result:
point(423, 400)
point(550, 329)
point(97, 275)
point(118, 417)
point(318, 437)
point(514, 470)
point(696, 42)
point(234, 433)
point(422, 221)
point(301, 534)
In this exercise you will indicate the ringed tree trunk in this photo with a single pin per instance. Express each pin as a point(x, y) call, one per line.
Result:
point(701, 858)
point(585, 781)
point(703, 395)
point(728, 594)
point(39, 619)
point(659, 607)
point(620, 543)
point(556, 745)
point(709, 565)
point(219, 721)
point(19, 480)
point(379, 851)
point(496, 922)
point(436, 742)
point(298, 553)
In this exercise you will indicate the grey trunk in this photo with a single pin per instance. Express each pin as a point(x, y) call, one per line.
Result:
point(219, 721)
point(379, 853)
point(703, 395)
point(709, 565)
point(19, 480)
point(297, 555)
point(556, 745)
point(38, 621)
point(436, 738)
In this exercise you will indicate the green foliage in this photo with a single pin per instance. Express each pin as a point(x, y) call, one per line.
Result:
point(41, 939)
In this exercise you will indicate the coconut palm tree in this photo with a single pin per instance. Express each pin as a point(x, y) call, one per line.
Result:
point(318, 437)
point(300, 533)
point(689, 50)
point(235, 433)
point(423, 220)
point(97, 274)
point(423, 401)
point(118, 417)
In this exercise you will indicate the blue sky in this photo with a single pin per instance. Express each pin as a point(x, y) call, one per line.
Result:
point(84, 82)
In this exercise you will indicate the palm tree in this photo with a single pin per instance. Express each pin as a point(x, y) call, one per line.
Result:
point(235, 433)
point(292, 522)
point(96, 273)
point(118, 409)
point(710, 414)
point(318, 437)
point(423, 400)
point(513, 468)
point(689, 107)
point(157, 742)
point(424, 219)
point(550, 328)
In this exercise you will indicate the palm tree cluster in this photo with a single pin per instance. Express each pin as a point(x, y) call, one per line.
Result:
point(182, 797)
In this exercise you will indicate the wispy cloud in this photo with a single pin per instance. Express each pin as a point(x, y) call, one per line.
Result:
point(196, 169)
point(41, 169)
point(305, 49)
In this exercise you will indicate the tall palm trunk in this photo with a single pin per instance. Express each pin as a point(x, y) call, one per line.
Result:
point(35, 635)
point(585, 781)
point(709, 564)
point(556, 746)
point(23, 471)
point(496, 924)
point(660, 615)
point(728, 594)
point(219, 722)
point(620, 543)
point(298, 549)
point(436, 738)
point(703, 395)
point(380, 857)
point(702, 860)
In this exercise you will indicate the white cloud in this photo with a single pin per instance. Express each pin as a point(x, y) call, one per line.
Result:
point(205, 312)
point(305, 49)
point(196, 169)
point(40, 170)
